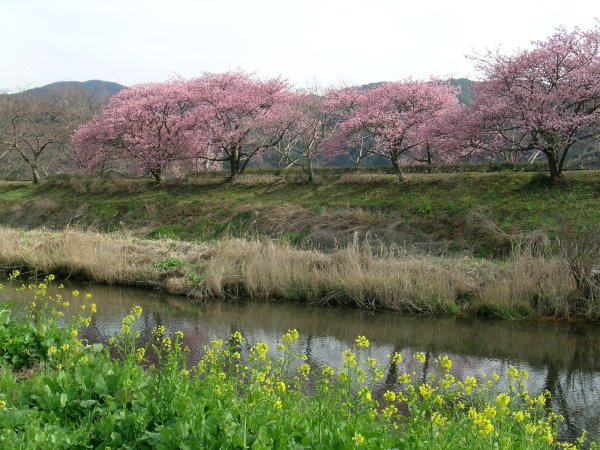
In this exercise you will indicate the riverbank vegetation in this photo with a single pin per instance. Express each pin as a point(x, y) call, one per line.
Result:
point(359, 274)
point(59, 391)
point(501, 244)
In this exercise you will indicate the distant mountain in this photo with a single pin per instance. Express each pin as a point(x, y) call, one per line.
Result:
point(466, 89)
point(465, 85)
point(99, 88)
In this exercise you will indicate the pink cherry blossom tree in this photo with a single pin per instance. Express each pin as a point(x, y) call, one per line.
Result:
point(313, 121)
point(143, 125)
point(237, 117)
point(353, 142)
point(393, 119)
point(541, 100)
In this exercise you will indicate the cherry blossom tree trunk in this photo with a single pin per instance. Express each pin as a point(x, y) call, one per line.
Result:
point(394, 158)
point(234, 164)
point(310, 170)
point(429, 158)
point(555, 167)
point(157, 174)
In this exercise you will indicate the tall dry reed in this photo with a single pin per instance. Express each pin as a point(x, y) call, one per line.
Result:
point(359, 274)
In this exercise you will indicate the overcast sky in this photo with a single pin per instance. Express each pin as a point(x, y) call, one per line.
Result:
point(328, 41)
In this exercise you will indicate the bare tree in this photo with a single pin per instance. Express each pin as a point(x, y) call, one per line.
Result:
point(581, 251)
point(36, 129)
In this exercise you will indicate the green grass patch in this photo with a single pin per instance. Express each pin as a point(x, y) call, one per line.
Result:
point(436, 204)
point(167, 264)
point(173, 231)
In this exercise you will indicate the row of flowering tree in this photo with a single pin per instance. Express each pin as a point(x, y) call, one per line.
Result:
point(232, 118)
point(543, 100)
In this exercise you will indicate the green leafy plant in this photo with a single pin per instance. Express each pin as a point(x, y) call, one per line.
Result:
point(168, 263)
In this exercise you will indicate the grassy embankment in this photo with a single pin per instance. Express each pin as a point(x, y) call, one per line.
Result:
point(438, 243)
point(57, 391)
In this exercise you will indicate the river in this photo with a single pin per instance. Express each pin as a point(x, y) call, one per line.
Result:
point(563, 358)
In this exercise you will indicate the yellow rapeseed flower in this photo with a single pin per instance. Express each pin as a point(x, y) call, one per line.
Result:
point(76, 293)
point(237, 337)
point(291, 336)
point(362, 342)
point(503, 400)
point(2, 404)
point(389, 411)
point(261, 350)
point(390, 396)
point(358, 439)
point(490, 412)
point(349, 357)
point(445, 363)
point(304, 370)
point(426, 391)
point(365, 394)
point(540, 400)
point(327, 371)
point(420, 356)
point(519, 416)
point(487, 428)
point(404, 378)
point(52, 350)
point(438, 420)
point(447, 381)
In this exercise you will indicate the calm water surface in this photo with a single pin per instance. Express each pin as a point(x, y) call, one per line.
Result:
point(562, 358)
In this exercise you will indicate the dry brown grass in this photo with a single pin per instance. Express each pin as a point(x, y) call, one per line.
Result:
point(368, 178)
point(96, 257)
point(291, 217)
point(359, 274)
point(328, 227)
point(259, 179)
point(354, 275)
